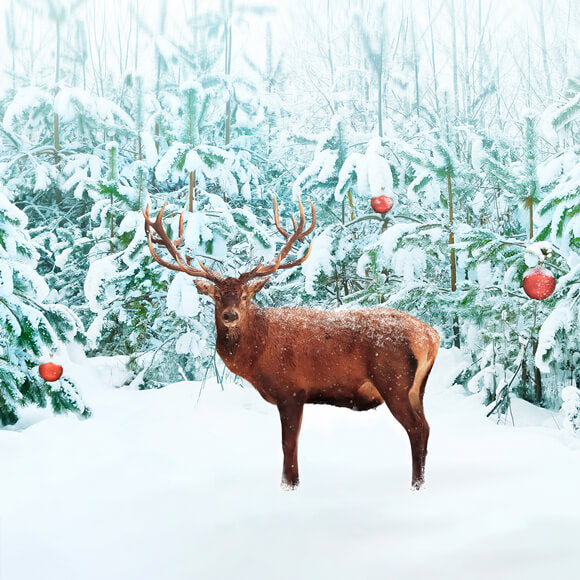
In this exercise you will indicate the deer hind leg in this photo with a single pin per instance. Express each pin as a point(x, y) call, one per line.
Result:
point(417, 430)
point(419, 438)
point(291, 419)
point(406, 405)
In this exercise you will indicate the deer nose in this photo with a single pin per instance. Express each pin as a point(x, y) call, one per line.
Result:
point(230, 315)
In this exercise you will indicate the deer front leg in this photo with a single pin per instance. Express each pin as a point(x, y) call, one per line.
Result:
point(291, 419)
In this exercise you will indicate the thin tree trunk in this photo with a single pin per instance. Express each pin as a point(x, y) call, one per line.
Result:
point(451, 235)
point(531, 162)
point(112, 232)
point(270, 85)
point(344, 281)
point(545, 49)
point(498, 84)
point(82, 44)
point(480, 51)
point(456, 338)
point(228, 66)
point(192, 189)
point(162, 19)
point(112, 175)
point(138, 29)
point(379, 68)
point(196, 34)
point(56, 138)
point(415, 63)
point(433, 67)
point(140, 157)
point(228, 121)
point(566, 39)
point(57, 67)
point(329, 42)
point(529, 91)
point(99, 53)
point(352, 214)
point(380, 98)
point(538, 394)
point(11, 39)
point(454, 55)
point(467, 100)
point(56, 124)
point(538, 390)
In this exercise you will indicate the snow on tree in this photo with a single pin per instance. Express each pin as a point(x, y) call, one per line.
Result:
point(31, 326)
point(571, 407)
point(480, 168)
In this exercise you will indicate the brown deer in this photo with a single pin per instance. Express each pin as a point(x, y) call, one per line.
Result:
point(292, 356)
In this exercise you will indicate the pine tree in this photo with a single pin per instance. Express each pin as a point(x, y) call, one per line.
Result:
point(30, 326)
point(558, 212)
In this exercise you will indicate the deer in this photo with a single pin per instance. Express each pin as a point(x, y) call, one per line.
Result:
point(294, 356)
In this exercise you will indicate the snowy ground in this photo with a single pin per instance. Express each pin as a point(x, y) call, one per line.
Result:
point(161, 485)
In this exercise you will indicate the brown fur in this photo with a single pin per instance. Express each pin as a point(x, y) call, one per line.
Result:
point(356, 359)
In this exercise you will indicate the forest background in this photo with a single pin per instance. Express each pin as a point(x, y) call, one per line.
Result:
point(465, 113)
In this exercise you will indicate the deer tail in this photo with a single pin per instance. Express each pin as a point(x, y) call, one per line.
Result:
point(421, 375)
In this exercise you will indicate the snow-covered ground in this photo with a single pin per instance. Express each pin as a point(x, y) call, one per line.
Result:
point(171, 484)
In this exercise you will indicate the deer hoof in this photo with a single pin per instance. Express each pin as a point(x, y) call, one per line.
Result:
point(289, 486)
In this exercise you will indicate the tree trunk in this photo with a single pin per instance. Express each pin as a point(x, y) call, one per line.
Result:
point(329, 33)
point(415, 64)
point(545, 50)
point(11, 39)
point(112, 177)
point(140, 156)
point(454, 55)
point(192, 189)
point(58, 195)
point(433, 67)
point(112, 232)
point(228, 121)
point(456, 337)
point(538, 392)
point(467, 84)
point(379, 66)
point(380, 99)
point(228, 66)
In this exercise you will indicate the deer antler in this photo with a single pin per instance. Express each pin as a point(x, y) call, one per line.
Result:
point(171, 246)
point(298, 235)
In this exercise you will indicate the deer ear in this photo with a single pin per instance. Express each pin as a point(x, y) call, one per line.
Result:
point(206, 288)
point(255, 287)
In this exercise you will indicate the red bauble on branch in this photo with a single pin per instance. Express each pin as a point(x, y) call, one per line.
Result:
point(382, 203)
point(539, 283)
point(50, 371)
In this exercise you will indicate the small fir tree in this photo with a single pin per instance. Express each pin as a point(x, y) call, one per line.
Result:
point(30, 327)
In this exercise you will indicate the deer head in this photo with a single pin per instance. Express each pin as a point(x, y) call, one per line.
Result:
point(232, 296)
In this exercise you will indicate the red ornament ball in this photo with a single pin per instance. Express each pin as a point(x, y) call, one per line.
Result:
point(539, 283)
point(50, 371)
point(382, 203)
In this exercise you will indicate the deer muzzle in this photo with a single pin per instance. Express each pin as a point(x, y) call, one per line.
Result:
point(230, 316)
